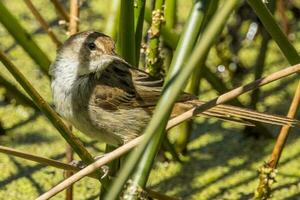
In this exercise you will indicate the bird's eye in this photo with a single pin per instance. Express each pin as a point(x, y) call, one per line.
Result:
point(92, 46)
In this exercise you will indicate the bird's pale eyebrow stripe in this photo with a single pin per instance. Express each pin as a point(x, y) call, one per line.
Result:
point(101, 46)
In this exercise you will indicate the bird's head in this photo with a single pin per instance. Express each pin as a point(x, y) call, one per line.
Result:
point(84, 53)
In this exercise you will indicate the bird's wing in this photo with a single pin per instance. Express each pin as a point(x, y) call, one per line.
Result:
point(122, 87)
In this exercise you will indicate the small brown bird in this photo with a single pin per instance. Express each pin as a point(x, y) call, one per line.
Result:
point(106, 98)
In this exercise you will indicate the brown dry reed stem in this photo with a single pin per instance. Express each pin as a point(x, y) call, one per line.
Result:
point(267, 173)
point(175, 121)
point(61, 10)
point(42, 22)
point(40, 159)
point(69, 158)
point(282, 137)
point(74, 17)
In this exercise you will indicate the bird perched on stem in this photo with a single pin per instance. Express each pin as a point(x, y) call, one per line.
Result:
point(106, 98)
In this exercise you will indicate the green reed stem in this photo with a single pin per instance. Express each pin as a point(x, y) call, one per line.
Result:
point(139, 12)
point(126, 36)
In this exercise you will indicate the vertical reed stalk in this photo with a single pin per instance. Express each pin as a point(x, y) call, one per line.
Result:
point(170, 37)
point(73, 28)
point(153, 58)
point(69, 156)
point(139, 12)
point(74, 16)
point(170, 13)
point(170, 22)
point(126, 36)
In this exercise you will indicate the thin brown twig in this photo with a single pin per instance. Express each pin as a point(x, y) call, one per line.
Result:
point(42, 22)
point(61, 10)
point(69, 156)
point(267, 172)
point(74, 17)
point(282, 137)
point(39, 159)
point(175, 121)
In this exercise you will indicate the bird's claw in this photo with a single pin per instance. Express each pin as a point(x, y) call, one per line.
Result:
point(105, 170)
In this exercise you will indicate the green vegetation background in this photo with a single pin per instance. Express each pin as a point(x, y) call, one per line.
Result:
point(222, 162)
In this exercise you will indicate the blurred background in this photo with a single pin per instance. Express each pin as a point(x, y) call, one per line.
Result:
point(221, 159)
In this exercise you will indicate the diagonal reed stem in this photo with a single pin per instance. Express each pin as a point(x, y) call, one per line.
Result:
point(42, 22)
point(14, 92)
point(61, 10)
point(39, 159)
point(23, 38)
point(281, 140)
